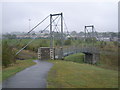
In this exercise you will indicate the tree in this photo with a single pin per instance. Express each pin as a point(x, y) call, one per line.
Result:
point(73, 33)
point(113, 35)
point(9, 36)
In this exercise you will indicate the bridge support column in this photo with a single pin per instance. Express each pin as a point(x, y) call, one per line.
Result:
point(91, 58)
point(88, 58)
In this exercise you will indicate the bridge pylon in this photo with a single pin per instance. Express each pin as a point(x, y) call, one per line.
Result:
point(51, 37)
point(92, 54)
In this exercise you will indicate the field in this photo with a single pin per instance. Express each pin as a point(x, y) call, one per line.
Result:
point(65, 74)
point(13, 69)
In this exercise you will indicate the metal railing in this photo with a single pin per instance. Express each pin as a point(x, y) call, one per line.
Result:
point(72, 50)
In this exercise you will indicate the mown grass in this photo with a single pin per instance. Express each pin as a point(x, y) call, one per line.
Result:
point(19, 66)
point(79, 57)
point(66, 74)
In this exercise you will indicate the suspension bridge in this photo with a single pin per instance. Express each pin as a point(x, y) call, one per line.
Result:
point(57, 22)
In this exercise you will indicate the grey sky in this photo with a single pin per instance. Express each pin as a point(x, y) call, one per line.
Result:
point(104, 15)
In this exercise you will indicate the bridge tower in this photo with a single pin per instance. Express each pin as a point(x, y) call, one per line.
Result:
point(89, 34)
point(92, 54)
point(52, 50)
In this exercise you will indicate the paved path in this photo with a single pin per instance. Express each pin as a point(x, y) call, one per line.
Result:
point(32, 77)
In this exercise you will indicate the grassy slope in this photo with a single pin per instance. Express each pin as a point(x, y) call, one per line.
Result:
point(66, 74)
point(79, 57)
point(19, 66)
point(27, 54)
point(109, 61)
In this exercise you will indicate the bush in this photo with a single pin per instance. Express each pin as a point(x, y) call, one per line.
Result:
point(8, 55)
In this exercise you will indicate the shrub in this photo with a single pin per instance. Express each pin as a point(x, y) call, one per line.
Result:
point(8, 55)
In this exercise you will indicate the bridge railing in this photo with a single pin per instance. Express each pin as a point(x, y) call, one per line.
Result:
point(72, 50)
point(75, 49)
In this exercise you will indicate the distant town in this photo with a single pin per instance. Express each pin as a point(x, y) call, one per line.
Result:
point(101, 36)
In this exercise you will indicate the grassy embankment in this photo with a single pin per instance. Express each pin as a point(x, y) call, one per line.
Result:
point(66, 74)
point(79, 57)
point(19, 66)
point(77, 74)
point(109, 56)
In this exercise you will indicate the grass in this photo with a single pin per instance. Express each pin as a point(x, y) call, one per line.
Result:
point(19, 66)
point(109, 61)
point(79, 57)
point(66, 74)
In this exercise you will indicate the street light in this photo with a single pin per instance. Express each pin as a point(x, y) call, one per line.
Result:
point(29, 23)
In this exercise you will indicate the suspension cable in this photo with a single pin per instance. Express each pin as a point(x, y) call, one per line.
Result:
point(96, 34)
point(34, 27)
point(38, 24)
point(67, 28)
point(35, 37)
point(56, 27)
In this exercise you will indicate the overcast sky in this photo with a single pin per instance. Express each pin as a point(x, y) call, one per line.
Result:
point(103, 15)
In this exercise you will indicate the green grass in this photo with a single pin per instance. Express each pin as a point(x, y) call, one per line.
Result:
point(19, 66)
point(66, 74)
point(79, 57)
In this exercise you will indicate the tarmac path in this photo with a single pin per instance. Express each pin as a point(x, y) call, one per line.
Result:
point(31, 77)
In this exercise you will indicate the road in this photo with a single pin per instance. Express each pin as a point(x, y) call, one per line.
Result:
point(32, 77)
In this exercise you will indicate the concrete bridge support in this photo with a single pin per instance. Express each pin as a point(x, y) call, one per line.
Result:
point(91, 58)
point(46, 53)
point(96, 58)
